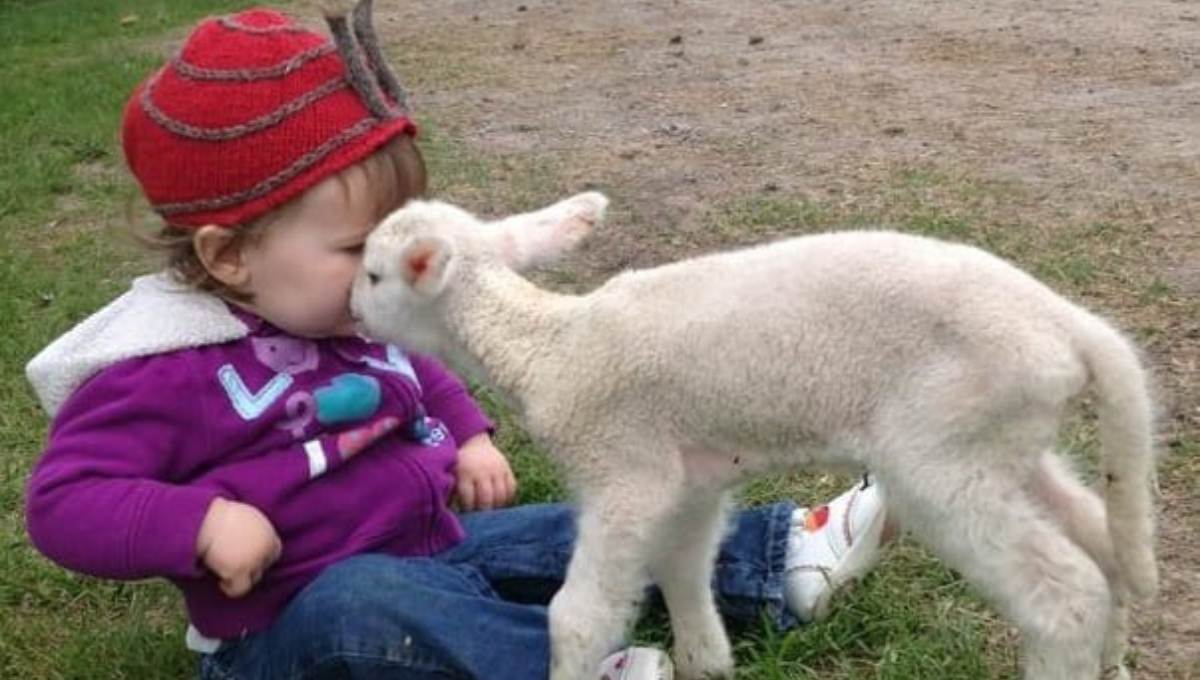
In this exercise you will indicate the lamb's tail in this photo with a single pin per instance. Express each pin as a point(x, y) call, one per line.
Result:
point(1126, 444)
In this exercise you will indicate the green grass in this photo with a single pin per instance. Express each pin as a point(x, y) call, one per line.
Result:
point(65, 70)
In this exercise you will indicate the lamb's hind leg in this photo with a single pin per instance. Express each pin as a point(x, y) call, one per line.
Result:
point(682, 566)
point(609, 571)
point(1081, 513)
point(973, 511)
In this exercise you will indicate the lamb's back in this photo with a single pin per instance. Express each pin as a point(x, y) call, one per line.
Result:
point(819, 324)
point(843, 279)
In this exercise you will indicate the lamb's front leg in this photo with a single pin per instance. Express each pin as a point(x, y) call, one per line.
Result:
point(608, 574)
point(682, 565)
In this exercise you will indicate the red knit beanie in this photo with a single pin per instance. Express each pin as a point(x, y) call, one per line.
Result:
point(254, 110)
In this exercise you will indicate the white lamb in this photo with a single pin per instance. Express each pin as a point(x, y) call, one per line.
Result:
point(940, 368)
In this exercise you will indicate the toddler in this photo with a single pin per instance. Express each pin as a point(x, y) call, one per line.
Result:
point(223, 426)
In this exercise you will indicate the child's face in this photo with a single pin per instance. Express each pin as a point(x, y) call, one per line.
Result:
point(301, 271)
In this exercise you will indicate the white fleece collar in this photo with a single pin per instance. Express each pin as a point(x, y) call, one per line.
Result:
point(156, 315)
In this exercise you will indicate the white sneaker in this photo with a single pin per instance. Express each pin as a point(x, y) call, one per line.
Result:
point(831, 545)
point(637, 663)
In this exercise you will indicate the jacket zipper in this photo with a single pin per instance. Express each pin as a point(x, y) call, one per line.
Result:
point(434, 505)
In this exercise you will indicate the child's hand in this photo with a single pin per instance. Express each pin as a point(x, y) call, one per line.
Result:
point(485, 480)
point(237, 543)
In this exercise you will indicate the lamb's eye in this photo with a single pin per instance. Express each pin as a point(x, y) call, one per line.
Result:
point(373, 278)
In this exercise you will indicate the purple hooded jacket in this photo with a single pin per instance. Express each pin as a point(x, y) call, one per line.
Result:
point(140, 449)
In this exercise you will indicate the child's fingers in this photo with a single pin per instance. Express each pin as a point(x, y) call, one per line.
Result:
point(243, 580)
point(508, 489)
point(466, 494)
point(237, 585)
point(485, 493)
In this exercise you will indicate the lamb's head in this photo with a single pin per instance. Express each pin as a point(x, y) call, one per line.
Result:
point(426, 248)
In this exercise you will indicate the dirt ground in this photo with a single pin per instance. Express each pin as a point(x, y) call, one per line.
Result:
point(1080, 111)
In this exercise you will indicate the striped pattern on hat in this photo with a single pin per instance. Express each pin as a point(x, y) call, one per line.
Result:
point(254, 110)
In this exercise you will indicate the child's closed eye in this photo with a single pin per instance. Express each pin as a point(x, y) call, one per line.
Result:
point(355, 249)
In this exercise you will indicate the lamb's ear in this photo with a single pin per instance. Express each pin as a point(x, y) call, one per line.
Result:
point(544, 235)
point(425, 263)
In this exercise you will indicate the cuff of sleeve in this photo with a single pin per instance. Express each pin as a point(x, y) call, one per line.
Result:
point(466, 421)
point(164, 542)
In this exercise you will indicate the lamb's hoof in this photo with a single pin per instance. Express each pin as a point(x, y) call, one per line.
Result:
point(705, 669)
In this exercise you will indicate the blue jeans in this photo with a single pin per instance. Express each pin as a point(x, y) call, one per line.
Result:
point(477, 610)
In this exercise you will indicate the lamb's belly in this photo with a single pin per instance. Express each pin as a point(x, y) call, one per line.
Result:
point(716, 469)
point(710, 467)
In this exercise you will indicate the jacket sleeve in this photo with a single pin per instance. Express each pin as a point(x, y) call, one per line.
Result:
point(446, 398)
point(105, 497)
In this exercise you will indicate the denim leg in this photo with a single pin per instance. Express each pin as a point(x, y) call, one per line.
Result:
point(378, 616)
point(750, 572)
point(524, 552)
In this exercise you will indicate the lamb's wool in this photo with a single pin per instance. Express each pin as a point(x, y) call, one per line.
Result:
point(940, 368)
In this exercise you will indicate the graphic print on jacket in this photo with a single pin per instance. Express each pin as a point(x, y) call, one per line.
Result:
point(367, 469)
point(347, 398)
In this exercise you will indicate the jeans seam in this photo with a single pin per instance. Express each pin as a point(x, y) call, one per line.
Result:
point(504, 554)
point(542, 546)
point(412, 663)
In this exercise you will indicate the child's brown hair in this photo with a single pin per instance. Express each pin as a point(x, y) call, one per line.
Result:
point(394, 174)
